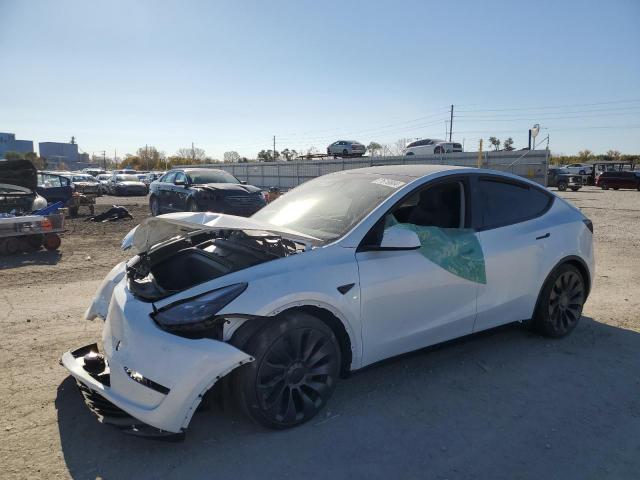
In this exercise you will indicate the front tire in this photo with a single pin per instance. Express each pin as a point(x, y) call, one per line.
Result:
point(562, 186)
point(154, 207)
point(297, 363)
point(561, 301)
point(604, 186)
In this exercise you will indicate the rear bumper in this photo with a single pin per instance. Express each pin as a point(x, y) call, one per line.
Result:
point(153, 376)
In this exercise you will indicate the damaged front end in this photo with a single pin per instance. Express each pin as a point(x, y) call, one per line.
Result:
point(158, 362)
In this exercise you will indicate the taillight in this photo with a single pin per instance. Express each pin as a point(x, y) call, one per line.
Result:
point(588, 223)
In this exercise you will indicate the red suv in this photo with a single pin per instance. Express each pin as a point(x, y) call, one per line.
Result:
point(617, 180)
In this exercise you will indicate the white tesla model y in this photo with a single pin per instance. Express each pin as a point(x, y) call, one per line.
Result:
point(341, 272)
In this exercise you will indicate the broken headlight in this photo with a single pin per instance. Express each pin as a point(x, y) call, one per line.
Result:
point(196, 316)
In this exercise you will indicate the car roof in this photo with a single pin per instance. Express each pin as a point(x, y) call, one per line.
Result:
point(405, 170)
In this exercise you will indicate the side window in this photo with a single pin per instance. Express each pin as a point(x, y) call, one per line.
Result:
point(169, 177)
point(440, 205)
point(505, 203)
point(180, 176)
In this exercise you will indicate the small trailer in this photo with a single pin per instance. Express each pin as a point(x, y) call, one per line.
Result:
point(30, 232)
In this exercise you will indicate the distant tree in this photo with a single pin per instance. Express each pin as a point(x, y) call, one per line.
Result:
point(508, 144)
point(197, 155)
point(373, 148)
point(585, 155)
point(147, 158)
point(613, 155)
point(289, 154)
point(231, 156)
point(243, 160)
point(266, 156)
point(495, 143)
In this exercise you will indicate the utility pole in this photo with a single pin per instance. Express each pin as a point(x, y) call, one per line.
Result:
point(104, 159)
point(146, 154)
point(115, 158)
point(274, 148)
point(451, 124)
point(193, 153)
point(480, 154)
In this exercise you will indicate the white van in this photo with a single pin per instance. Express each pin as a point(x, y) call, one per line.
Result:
point(432, 146)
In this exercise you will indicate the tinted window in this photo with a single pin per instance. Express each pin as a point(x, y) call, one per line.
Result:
point(180, 177)
point(503, 203)
point(168, 178)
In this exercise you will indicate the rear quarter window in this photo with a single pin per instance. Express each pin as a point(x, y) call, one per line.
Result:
point(505, 203)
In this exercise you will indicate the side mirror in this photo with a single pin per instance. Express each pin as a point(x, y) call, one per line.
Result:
point(243, 182)
point(180, 182)
point(398, 238)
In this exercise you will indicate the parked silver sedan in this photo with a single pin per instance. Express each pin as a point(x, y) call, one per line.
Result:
point(346, 148)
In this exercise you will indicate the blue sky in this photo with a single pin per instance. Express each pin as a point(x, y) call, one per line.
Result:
point(230, 75)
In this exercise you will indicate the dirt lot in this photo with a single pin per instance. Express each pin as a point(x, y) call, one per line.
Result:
point(502, 404)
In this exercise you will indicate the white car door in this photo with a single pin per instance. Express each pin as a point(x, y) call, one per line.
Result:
point(410, 298)
point(513, 235)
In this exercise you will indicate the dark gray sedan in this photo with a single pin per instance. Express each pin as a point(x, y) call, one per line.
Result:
point(204, 189)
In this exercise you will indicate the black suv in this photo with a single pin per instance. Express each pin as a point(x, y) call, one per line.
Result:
point(203, 189)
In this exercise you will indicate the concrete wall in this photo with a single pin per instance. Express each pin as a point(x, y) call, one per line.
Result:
point(530, 164)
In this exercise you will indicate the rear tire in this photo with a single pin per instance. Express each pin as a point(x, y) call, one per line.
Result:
point(560, 303)
point(297, 363)
point(345, 153)
point(604, 186)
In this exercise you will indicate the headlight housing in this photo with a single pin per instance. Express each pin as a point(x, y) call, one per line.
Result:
point(195, 317)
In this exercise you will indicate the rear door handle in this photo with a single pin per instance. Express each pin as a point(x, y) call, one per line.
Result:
point(546, 235)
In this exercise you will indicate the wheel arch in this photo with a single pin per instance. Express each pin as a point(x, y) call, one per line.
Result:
point(252, 325)
point(575, 261)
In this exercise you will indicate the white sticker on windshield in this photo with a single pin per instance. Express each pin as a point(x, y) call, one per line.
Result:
point(387, 182)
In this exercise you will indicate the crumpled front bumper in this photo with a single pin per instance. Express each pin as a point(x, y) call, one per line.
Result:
point(154, 376)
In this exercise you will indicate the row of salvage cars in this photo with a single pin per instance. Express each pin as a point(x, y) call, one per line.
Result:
point(341, 272)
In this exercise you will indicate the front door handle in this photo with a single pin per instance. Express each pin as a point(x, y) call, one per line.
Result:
point(546, 235)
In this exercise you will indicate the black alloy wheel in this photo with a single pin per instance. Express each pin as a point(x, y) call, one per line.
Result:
point(297, 363)
point(561, 302)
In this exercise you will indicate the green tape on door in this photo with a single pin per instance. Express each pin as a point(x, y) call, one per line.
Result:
point(457, 250)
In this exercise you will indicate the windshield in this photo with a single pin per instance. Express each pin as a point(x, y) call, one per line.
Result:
point(212, 176)
point(329, 206)
point(127, 178)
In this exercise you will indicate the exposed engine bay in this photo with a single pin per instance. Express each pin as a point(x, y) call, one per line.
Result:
point(200, 256)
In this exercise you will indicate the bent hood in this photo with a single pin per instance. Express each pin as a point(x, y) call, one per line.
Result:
point(163, 227)
point(19, 172)
point(229, 187)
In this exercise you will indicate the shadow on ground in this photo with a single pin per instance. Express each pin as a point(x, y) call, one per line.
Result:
point(503, 404)
point(40, 257)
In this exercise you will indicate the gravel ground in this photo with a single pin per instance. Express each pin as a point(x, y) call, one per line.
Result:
point(501, 404)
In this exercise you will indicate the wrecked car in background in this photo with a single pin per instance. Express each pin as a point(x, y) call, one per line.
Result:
point(24, 224)
point(341, 272)
point(57, 187)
